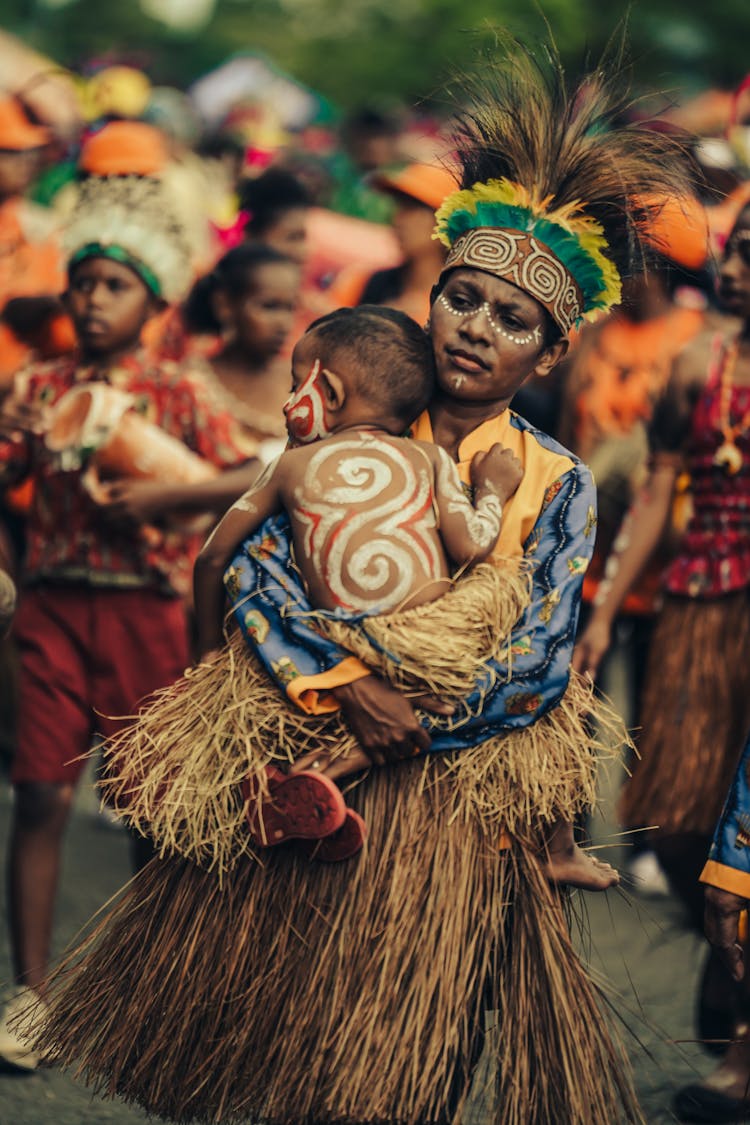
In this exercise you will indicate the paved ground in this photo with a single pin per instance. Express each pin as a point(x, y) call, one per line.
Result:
point(652, 963)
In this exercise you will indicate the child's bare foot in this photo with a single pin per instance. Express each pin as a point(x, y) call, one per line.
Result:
point(569, 864)
point(577, 868)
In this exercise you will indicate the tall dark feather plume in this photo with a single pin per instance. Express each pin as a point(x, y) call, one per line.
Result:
point(519, 119)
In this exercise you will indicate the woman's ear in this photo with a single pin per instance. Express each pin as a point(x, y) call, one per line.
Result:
point(551, 356)
point(333, 388)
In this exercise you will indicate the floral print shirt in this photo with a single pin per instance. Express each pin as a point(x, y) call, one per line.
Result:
point(67, 540)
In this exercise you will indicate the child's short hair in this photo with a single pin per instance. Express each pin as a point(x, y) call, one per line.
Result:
point(392, 356)
point(270, 195)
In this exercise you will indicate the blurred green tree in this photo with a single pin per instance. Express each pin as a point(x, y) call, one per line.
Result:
point(378, 50)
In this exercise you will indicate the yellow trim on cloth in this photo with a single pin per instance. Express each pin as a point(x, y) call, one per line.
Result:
point(541, 468)
point(313, 693)
point(726, 878)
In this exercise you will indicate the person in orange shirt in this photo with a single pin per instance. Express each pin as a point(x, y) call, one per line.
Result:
point(417, 191)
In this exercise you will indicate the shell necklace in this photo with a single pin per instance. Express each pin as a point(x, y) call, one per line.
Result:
point(728, 457)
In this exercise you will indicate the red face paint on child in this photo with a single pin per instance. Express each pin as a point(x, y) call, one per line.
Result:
point(305, 410)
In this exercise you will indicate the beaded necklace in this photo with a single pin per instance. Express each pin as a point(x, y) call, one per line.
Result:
point(728, 456)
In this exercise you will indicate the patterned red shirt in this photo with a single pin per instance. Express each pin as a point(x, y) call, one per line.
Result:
point(67, 538)
point(714, 554)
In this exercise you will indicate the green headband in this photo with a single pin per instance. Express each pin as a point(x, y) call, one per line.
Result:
point(117, 254)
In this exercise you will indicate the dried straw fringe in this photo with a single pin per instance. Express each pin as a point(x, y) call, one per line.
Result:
point(176, 774)
point(302, 992)
point(444, 645)
point(695, 714)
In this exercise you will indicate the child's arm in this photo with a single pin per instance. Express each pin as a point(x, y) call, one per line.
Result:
point(469, 531)
point(243, 518)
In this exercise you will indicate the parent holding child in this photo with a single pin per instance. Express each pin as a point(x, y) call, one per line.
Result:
point(357, 992)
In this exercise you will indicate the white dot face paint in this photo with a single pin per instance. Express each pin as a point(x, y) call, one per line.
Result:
point(305, 410)
point(466, 309)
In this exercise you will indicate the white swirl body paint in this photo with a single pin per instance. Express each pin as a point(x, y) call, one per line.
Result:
point(483, 520)
point(369, 559)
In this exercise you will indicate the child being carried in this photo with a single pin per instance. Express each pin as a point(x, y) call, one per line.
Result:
point(378, 523)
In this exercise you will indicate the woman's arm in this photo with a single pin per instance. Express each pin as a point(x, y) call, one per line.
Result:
point(559, 548)
point(646, 521)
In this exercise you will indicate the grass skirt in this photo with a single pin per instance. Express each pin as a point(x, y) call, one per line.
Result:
point(176, 774)
point(695, 714)
point(299, 993)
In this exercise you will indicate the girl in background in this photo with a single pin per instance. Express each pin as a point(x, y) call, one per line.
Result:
point(249, 299)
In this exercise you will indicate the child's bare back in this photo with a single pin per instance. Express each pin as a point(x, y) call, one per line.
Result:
point(375, 517)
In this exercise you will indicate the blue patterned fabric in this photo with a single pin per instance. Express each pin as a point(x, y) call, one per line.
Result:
point(273, 612)
point(731, 842)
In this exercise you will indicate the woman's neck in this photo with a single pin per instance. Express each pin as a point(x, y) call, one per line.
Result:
point(453, 420)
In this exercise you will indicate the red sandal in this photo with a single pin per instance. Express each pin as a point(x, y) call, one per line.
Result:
point(299, 806)
point(342, 844)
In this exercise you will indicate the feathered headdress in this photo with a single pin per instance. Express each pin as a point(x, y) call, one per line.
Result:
point(131, 219)
point(551, 183)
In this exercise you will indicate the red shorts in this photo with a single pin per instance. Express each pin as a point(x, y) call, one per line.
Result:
point(88, 656)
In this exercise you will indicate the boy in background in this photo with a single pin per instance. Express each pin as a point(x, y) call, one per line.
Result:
point(101, 621)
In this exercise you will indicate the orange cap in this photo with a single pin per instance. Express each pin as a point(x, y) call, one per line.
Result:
point(124, 148)
point(423, 182)
point(679, 229)
point(16, 131)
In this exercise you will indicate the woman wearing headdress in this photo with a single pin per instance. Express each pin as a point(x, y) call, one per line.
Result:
point(293, 992)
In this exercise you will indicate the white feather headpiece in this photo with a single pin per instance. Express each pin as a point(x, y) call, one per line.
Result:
point(132, 214)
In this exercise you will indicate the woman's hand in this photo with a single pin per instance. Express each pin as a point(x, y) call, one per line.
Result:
point(721, 923)
point(383, 721)
point(592, 646)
